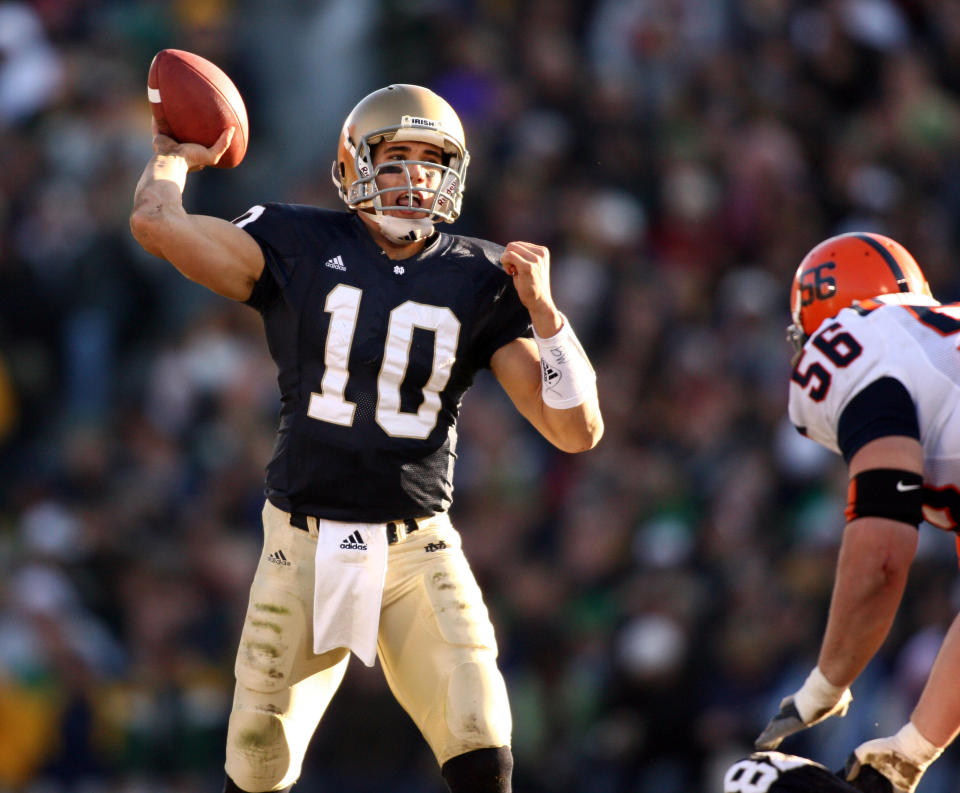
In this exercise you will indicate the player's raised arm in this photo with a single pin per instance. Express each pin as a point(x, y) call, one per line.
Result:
point(550, 378)
point(208, 250)
point(193, 101)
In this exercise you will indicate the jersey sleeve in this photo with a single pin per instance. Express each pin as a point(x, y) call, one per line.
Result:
point(507, 319)
point(839, 361)
point(265, 291)
point(882, 408)
point(275, 229)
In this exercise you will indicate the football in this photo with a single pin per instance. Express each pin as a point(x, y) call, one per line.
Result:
point(194, 101)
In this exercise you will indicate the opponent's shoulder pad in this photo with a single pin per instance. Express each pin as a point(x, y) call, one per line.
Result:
point(843, 356)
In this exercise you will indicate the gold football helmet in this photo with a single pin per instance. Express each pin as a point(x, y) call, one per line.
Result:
point(401, 112)
point(844, 269)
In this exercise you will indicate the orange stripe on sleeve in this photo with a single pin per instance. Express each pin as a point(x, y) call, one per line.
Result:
point(849, 512)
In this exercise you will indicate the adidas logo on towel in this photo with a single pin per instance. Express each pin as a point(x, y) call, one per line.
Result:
point(354, 542)
point(336, 263)
point(278, 557)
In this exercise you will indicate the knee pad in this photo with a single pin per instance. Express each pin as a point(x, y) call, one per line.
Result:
point(480, 771)
point(477, 707)
point(258, 758)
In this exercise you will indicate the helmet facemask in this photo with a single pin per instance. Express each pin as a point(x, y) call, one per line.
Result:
point(443, 200)
point(421, 117)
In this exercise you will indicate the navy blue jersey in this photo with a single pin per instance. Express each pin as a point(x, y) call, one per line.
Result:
point(373, 356)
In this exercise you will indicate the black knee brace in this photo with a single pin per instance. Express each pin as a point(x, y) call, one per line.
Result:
point(480, 771)
point(229, 786)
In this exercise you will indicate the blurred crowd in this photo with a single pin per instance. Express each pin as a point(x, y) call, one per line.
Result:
point(654, 598)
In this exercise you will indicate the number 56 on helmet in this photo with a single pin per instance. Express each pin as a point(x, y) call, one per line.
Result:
point(846, 268)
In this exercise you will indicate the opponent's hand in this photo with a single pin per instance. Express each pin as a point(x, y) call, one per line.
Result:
point(195, 155)
point(899, 759)
point(867, 779)
point(817, 699)
point(529, 264)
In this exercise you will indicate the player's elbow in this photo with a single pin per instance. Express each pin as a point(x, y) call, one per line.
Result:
point(882, 550)
point(583, 438)
point(146, 223)
point(593, 435)
point(893, 565)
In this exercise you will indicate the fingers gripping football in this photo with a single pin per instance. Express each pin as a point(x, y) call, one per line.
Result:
point(196, 155)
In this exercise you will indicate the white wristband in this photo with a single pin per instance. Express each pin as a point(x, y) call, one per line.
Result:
point(171, 167)
point(818, 698)
point(912, 745)
point(568, 377)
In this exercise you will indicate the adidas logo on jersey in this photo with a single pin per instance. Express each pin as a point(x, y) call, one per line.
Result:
point(336, 263)
point(279, 558)
point(354, 542)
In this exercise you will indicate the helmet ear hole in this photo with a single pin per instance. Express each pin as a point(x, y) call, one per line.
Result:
point(343, 169)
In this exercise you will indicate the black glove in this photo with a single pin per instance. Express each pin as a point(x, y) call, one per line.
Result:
point(866, 778)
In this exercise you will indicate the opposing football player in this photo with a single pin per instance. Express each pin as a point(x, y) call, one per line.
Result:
point(775, 772)
point(877, 379)
point(378, 323)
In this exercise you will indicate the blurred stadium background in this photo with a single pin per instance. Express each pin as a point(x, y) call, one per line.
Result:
point(654, 598)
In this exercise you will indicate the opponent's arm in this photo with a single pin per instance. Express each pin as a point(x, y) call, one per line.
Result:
point(208, 250)
point(517, 365)
point(872, 567)
point(871, 575)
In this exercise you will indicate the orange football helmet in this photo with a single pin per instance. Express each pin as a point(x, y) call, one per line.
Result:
point(844, 269)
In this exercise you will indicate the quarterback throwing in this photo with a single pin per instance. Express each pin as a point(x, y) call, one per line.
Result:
point(378, 324)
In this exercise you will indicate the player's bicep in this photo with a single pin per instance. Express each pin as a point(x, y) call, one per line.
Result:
point(893, 452)
point(217, 254)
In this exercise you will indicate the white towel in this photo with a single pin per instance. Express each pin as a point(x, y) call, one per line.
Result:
point(349, 571)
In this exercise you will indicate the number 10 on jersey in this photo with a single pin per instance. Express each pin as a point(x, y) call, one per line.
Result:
point(330, 404)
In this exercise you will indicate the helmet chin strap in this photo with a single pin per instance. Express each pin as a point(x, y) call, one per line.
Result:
point(402, 229)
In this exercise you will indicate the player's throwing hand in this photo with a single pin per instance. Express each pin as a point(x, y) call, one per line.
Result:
point(196, 155)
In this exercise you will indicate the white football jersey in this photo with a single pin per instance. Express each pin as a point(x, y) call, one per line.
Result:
point(912, 339)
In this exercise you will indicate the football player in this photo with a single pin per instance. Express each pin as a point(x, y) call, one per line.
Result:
point(774, 772)
point(378, 323)
point(876, 378)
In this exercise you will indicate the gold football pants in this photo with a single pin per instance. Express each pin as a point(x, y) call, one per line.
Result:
point(435, 642)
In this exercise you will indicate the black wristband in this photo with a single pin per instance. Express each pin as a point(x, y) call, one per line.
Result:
point(886, 493)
